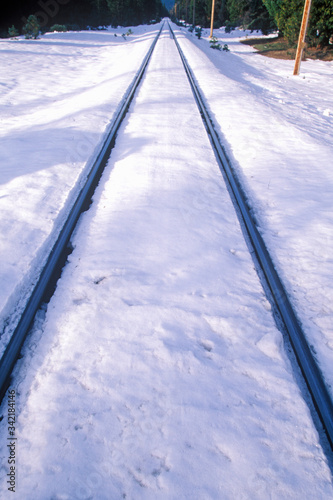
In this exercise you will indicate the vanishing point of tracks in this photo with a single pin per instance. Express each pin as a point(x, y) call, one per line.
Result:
point(274, 287)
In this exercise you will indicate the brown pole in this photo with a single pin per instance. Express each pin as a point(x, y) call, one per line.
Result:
point(212, 20)
point(301, 38)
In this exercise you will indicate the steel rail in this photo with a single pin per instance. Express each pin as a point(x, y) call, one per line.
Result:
point(14, 346)
point(308, 365)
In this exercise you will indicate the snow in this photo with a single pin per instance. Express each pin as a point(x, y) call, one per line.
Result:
point(55, 111)
point(157, 370)
point(277, 130)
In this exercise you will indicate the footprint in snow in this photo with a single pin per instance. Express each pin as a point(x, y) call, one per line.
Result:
point(207, 345)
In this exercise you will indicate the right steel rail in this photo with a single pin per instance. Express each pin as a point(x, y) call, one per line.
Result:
point(311, 372)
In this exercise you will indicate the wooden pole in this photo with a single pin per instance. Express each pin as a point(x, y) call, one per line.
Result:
point(301, 38)
point(193, 12)
point(212, 20)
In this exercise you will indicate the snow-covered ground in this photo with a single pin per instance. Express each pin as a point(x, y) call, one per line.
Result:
point(58, 95)
point(157, 370)
point(278, 132)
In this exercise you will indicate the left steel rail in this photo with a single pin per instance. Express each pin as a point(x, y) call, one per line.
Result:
point(14, 346)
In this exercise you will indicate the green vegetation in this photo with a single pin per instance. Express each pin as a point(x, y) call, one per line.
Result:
point(79, 14)
point(287, 15)
point(198, 32)
point(264, 15)
point(214, 43)
point(251, 14)
point(132, 12)
point(12, 32)
point(31, 28)
point(58, 27)
point(281, 48)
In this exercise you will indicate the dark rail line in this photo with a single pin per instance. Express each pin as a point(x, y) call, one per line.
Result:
point(312, 375)
point(310, 370)
point(83, 199)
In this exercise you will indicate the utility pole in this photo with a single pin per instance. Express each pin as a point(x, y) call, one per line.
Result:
point(212, 20)
point(193, 12)
point(301, 38)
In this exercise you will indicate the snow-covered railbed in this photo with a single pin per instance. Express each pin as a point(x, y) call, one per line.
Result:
point(157, 370)
point(277, 130)
point(58, 96)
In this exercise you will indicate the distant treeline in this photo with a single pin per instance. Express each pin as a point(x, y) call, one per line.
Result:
point(78, 14)
point(265, 15)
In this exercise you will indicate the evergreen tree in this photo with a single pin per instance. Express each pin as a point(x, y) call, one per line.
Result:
point(320, 28)
point(12, 32)
point(250, 14)
point(78, 14)
point(321, 23)
point(31, 29)
point(253, 14)
point(273, 7)
point(289, 19)
point(238, 11)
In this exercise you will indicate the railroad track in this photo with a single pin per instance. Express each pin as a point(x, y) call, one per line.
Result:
point(277, 294)
point(59, 251)
point(310, 370)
